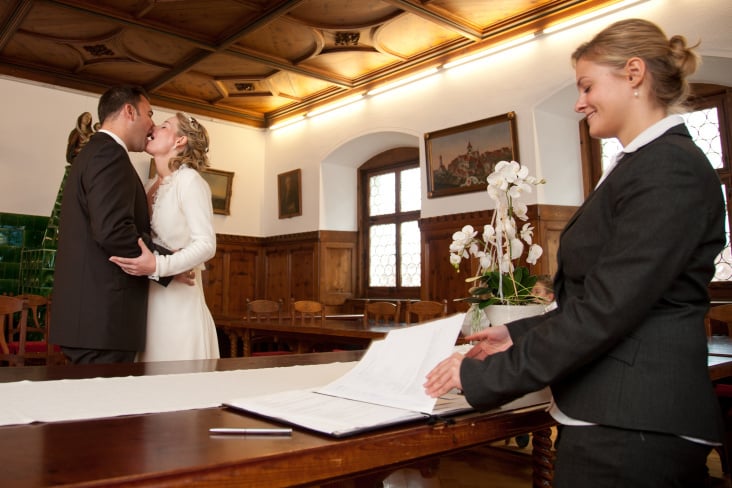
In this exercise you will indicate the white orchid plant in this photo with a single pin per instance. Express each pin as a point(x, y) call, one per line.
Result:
point(498, 280)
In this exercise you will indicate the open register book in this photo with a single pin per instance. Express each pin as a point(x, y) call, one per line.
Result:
point(383, 388)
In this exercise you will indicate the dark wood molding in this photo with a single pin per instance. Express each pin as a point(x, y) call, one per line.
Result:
point(324, 265)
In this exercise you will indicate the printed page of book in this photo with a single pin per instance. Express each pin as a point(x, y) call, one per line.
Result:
point(383, 388)
point(323, 413)
point(393, 370)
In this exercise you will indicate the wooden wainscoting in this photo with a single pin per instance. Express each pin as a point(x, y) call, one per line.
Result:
point(549, 222)
point(439, 278)
point(233, 274)
point(323, 265)
point(313, 265)
point(338, 268)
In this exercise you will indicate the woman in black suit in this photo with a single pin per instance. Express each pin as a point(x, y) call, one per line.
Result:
point(625, 353)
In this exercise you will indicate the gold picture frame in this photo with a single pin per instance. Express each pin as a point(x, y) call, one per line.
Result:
point(460, 158)
point(289, 194)
point(220, 183)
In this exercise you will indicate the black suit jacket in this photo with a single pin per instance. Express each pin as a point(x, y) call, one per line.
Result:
point(627, 345)
point(103, 212)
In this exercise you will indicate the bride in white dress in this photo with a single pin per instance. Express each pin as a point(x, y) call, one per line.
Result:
point(179, 324)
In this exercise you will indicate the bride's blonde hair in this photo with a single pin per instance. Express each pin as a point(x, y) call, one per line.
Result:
point(195, 152)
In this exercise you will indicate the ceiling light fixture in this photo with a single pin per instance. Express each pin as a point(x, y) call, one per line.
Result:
point(403, 81)
point(286, 122)
point(566, 24)
point(493, 50)
point(336, 105)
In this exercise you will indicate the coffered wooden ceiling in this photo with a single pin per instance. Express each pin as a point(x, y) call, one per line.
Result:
point(256, 62)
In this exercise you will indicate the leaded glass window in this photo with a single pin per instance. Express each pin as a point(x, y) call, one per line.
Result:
point(394, 243)
point(704, 128)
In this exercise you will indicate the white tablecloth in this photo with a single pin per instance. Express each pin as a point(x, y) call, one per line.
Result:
point(24, 402)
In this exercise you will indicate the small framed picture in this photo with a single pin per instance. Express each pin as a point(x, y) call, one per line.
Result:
point(289, 194)
point(220, 183)
point(460, 158)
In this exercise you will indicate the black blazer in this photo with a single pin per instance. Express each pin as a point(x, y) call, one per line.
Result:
point(627, 345)
point(103, 212)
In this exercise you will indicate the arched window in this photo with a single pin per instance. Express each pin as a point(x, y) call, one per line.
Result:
point(390, 204)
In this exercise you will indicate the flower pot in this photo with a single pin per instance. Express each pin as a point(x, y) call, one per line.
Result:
point(503, 314)
point(475, 321)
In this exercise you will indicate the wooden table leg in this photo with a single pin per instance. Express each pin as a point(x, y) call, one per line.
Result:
point(246, 342)
point(233, 344)
point(543, 455)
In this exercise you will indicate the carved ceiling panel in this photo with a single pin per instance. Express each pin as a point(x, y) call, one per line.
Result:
point(255, 61)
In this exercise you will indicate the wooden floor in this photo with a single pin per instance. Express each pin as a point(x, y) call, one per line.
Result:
point(500, 466)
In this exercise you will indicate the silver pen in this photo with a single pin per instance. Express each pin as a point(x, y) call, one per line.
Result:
point(248, 431)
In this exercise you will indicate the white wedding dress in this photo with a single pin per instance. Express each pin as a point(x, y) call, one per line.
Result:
point(179, 323)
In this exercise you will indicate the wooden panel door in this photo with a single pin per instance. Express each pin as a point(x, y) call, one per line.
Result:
point(242, 280)
point(305, 274)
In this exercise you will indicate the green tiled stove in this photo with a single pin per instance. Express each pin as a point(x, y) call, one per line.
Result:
point(37, 264)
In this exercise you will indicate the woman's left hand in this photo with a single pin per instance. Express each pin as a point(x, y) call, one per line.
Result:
point(143, 265)
point(445, 376)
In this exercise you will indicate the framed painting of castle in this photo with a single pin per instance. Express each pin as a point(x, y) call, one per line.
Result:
point(460, 158)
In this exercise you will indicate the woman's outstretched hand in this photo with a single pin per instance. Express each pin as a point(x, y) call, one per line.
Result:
point(445, 376)
point(491, 340)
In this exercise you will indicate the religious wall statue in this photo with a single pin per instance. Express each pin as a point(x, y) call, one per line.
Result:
point(80, 135)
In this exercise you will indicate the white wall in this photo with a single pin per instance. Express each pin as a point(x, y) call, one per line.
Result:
point(534, 80)
point(33, 135)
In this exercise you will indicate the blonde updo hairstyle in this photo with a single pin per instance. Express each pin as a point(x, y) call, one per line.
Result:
point(668, 61)
point(195, 152)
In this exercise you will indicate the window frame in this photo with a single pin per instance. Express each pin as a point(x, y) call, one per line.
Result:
point(393, 161)
point(705, 96)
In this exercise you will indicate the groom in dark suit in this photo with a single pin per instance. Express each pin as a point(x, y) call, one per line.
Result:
point(99, 312)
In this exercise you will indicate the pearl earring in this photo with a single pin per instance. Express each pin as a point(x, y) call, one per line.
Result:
point(635, 94)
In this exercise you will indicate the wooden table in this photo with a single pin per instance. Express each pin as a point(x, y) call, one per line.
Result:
point(301, 337)
point(175, 449)
point(720, 367)
point(720, 357)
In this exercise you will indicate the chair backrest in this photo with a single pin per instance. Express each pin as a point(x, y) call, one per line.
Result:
point(381, 313)
point(720, 313)
point(310, 309)
point(10, 307)
point(425, 310)
point(264, 310)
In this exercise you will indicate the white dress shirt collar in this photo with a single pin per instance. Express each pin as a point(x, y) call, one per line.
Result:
point(650, 134)
point(115, 137)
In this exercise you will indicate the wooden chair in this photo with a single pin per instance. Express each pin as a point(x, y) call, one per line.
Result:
point(37, 328)
point(13, 317)
point(720, 313)
point(425, 310)
point(264, 310)
point(310, 309)
point(386, 313)
point(723, 314)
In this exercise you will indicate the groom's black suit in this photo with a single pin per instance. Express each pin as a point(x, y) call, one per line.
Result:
point(103, 212)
